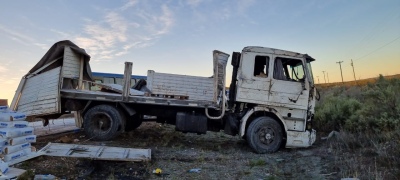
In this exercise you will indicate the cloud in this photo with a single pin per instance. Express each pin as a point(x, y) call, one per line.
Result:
point(166, 21)
point(116, 33)
point(43, 46)
point(61, 33)
point(244, 5)
point(22, 38)
point(16, 35)
point(129, 4)
point(193, 3)
point(101, 38)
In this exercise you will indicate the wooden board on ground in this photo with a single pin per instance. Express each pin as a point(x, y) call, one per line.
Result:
point(96, 152)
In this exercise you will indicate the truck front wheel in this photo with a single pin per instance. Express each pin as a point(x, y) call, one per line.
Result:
point(264, 135)
point(103, 122)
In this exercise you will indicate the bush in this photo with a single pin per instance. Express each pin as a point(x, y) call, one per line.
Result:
point(334, 112)
point(375, 107)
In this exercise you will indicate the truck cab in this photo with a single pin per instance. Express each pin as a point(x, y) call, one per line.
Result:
point(272, 94)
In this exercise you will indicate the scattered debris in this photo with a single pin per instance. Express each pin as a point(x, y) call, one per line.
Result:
point(86, 172)
point(157, 171)
point(331, 134)
point(65, 139)
point(195, 170)
point(44, 177)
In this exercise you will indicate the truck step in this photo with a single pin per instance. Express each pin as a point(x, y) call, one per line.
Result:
point(181, 97)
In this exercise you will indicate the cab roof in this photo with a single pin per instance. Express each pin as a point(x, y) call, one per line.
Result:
point(276, 51)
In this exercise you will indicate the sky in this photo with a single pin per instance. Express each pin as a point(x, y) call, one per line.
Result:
point(178, 36)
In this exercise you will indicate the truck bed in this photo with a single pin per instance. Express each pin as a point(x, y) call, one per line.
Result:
point(113, 97)
point(64, 73)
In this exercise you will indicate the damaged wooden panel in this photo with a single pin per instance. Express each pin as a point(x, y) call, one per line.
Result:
point(197, 88)
point(96, 152)
point(71, 63)
point(40, 94)
point(118, 89)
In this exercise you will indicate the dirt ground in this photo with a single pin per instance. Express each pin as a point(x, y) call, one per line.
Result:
point(219, 156)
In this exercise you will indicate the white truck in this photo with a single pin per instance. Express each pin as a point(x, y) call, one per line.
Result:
point(270, 101)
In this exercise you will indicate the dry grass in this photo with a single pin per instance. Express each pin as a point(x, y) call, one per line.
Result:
point(360, 82)
point(367, 156)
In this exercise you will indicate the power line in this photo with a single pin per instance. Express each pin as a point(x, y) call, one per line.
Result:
point(377, 29)
point(378, 48)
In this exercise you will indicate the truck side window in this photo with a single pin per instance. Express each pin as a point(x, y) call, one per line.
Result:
point(288, 69)
point(261, 66)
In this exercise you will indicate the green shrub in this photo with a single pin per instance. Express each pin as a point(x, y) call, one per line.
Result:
point(334, 112)
point(375, 108)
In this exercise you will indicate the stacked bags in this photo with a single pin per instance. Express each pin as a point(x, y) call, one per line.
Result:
point(15, 137)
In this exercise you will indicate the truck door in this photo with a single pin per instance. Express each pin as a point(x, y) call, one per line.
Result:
point(254, 78)
point(289, 85)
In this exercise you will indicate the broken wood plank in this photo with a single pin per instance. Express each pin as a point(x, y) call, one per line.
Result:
point(97, 152)
point(119, 89)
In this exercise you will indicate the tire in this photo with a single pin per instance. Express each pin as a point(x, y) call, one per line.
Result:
point(264, 135)
point(103, 122)
point(133, 122)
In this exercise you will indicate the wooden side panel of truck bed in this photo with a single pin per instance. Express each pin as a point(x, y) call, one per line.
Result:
point(40, 94)
point(71, 64)
point(197, 88)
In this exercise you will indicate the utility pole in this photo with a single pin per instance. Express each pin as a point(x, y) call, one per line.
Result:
point(354, 73)
point(340, 65)
point(318, 79)
point(327, 76)
point(324, 76)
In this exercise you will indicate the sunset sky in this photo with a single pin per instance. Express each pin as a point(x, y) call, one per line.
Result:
point(178, 36)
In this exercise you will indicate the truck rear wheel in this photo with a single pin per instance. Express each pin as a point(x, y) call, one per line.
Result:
point(103, 122)
point(264, 135)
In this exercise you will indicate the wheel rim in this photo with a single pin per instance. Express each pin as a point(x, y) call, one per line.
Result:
point(101, 123)
point(266, 135)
